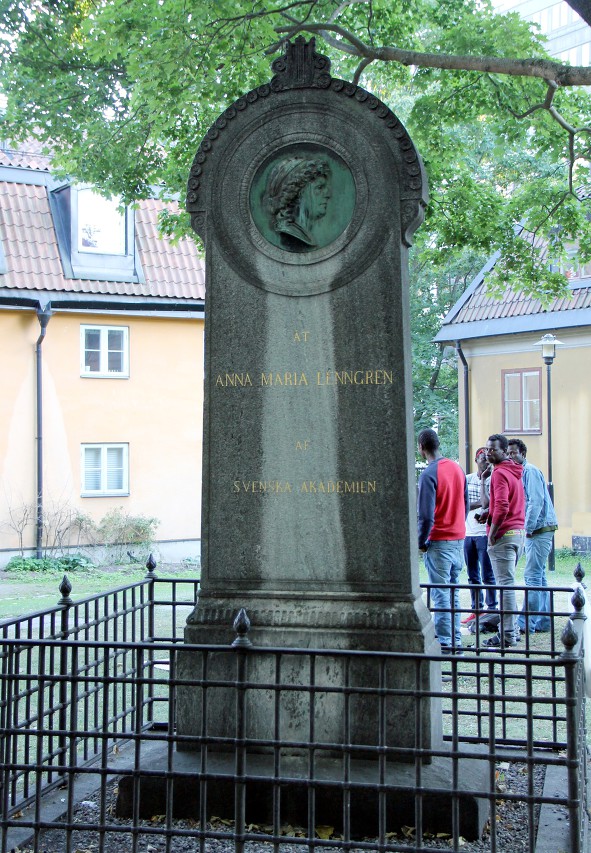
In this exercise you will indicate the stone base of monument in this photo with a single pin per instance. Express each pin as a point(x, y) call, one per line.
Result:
point(372, 675)
point(399, 792)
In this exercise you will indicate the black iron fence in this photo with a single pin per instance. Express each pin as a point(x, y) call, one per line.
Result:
point(91, 753)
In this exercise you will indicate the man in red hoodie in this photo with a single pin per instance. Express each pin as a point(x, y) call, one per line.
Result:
point(506, 534)
point(442, 507)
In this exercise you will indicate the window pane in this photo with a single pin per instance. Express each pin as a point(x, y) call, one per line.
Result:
point(92, 347)
point(92, 361)
point(101, 228)
point(114, 468)
point(531, 400)
point(512, 416)
point(92, 469)
point(512, 387)
point(115, 351)
point(531, 415)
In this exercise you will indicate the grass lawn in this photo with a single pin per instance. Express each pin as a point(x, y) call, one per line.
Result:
point(22, 593)
point(27, 592)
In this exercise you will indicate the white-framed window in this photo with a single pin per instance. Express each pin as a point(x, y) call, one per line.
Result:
point(522, 391)
point(104, 351)
point(105, 469)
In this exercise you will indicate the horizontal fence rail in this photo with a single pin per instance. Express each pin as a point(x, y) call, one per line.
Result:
point(90, 749)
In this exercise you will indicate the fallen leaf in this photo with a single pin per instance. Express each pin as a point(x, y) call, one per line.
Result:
point(324, 831)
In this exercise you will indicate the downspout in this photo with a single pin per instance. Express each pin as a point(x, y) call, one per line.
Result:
point(43, 315)
point(462, 357)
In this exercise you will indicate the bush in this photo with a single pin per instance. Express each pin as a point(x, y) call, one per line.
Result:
point(118, 530)
point(73, 563)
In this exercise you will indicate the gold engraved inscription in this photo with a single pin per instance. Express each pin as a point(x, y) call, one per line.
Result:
point(339, 487)
point(354, 377)
point(305, 487)
point(302, 445)
point(261, 487)
point(286, 378)
point(297, 378)
point(233, 380)
point(300, 337)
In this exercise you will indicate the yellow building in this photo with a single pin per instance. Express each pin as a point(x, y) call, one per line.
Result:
point(101, 342)
point(507, 387)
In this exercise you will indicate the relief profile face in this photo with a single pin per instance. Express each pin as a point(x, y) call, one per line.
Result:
point(303, 200)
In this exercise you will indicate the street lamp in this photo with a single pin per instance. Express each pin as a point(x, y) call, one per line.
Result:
point(548, 343)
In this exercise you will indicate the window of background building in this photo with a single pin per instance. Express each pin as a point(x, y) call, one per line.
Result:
point(101, 225)
point(96, 239)
point(105, 469)
point(104, 351)
point(522, 400)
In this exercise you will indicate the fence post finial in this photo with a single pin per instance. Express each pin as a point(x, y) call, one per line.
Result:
point(241, 626)
point(569, 639)
point(65, 588)
point(151, 567)
point(578, 602)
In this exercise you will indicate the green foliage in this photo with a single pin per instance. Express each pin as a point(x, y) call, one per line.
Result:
point(118, 530)
point(124, 91)
point(435, 287)
point(73, 563)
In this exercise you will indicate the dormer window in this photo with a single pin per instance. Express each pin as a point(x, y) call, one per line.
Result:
point(96, 238)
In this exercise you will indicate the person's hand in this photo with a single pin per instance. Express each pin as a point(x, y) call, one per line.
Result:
point(491, 539)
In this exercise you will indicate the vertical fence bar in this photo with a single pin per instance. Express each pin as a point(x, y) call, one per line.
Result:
point(137, 729)
point(277, 753)
point(64, 604)
point(151, 591)
point(7, 734)
point(39, 747)
point(73, 747)
point(571, 658)
point(204, 753)
point(240, 761)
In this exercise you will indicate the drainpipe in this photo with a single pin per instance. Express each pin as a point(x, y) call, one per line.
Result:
point(462, 357)
point(43, 315)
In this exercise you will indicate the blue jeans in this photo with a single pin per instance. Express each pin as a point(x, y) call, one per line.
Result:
point(536, 553)
point(444, 563)
point(479, 571)
point(504, 555)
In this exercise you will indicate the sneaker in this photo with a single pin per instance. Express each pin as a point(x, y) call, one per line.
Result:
point(497, 643)
point(469, 618)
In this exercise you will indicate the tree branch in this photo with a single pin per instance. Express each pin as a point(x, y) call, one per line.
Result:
point(544, 69)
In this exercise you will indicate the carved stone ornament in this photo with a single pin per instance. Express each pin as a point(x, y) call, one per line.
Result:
point(301, 67)
point(284, 179)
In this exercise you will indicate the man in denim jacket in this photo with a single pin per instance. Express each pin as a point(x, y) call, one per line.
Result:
point(540, 524)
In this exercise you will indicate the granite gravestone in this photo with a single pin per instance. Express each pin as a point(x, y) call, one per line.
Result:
point(306, 192)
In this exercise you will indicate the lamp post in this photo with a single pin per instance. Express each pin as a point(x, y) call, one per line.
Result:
point(548, 343)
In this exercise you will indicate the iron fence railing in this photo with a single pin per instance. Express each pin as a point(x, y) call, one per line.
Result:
point(90, 750)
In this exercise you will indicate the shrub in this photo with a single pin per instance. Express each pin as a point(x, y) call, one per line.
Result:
point(118, 530)
point(75, 562)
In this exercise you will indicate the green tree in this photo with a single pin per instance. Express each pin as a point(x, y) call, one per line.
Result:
point(124, 90)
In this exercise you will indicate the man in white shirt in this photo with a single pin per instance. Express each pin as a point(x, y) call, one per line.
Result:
point(475, 544)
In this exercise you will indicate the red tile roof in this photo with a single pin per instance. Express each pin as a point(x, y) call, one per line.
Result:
point(30, 245)
point(480, 306)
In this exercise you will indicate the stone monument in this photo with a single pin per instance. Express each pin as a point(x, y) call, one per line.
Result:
point(306, 192)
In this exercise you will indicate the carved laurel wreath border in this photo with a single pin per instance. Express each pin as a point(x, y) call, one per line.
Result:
point(412, 209)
